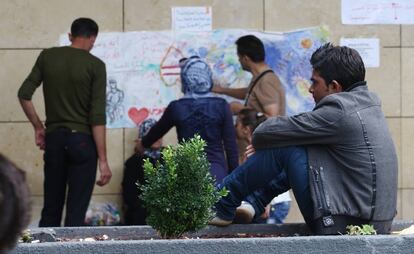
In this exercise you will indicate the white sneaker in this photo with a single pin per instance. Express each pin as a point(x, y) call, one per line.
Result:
point(217, 221)
point(244, 213)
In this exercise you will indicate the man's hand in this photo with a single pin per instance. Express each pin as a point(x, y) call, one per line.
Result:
point(99, 136)
point(266, 213)
point(139, 148)
point(217, 89)
point(105, 173)
point(236, 107)
point(40, 138)
point(249, 151)
point(31, 114)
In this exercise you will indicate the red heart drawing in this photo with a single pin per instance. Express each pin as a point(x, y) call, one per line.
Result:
point(138, 116)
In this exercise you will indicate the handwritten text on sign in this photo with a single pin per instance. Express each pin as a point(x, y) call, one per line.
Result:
point(368, 48)
point(191, 18)
point(359, 12)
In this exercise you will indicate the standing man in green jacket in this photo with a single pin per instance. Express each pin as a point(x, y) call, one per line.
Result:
point(73, 140)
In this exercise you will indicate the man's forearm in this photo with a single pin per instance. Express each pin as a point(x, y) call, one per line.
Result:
point(272, 110)
point(239, 93)
point(31, 114)
point(99, 136)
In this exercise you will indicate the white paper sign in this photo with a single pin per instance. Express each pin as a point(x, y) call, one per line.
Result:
point(367, 48)
point(358, 12)
point(191, 18)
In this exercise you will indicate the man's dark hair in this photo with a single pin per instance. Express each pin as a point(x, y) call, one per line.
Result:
point(252, 47)
point(14, 204)
point(338, 63)
point(84, 27)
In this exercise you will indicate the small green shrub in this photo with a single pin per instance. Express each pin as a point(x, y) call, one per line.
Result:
point(366, 229)
point(179, 193)
point(26, 236)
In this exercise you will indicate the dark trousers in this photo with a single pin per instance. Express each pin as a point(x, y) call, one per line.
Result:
point(70, 161)
point(135, 212)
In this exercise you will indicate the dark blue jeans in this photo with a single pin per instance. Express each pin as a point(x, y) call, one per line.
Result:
point(70, 161)
point(266, 174)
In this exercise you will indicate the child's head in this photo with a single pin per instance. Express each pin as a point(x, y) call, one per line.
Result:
point(247, 121)
point(14, 204)
point(144, 128)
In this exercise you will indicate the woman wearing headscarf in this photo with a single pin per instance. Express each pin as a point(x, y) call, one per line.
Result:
point(199, 112)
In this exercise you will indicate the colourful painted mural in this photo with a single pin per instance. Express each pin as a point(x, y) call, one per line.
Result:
point(144, 76)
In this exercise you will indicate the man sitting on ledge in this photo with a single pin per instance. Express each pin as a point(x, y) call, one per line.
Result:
point(339, 159)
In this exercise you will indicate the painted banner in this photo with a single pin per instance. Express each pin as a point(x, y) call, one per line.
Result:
point(144, 76)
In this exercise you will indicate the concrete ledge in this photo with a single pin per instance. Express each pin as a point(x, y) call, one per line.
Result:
point(288, 245)
point(130, 240)
point(147, 232)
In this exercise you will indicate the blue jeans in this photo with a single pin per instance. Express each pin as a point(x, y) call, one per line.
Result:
point(266, 174)
point(278, 212)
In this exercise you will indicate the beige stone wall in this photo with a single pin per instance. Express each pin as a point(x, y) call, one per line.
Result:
point(27, 26)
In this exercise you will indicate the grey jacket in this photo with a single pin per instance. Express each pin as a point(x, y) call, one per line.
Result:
point(352, 158)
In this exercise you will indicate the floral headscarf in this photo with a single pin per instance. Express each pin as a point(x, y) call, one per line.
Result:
point(196, 77)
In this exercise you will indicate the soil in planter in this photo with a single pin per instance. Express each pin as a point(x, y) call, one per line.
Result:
point(125, 238)
point(242, 235)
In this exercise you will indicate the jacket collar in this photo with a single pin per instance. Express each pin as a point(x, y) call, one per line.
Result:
point(355, 85)
point(361, 85)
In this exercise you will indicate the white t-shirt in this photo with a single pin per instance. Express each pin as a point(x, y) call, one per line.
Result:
point(285, 196)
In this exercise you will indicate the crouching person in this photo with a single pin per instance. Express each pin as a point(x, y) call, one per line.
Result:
point(135, 213)
point(339, 159)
